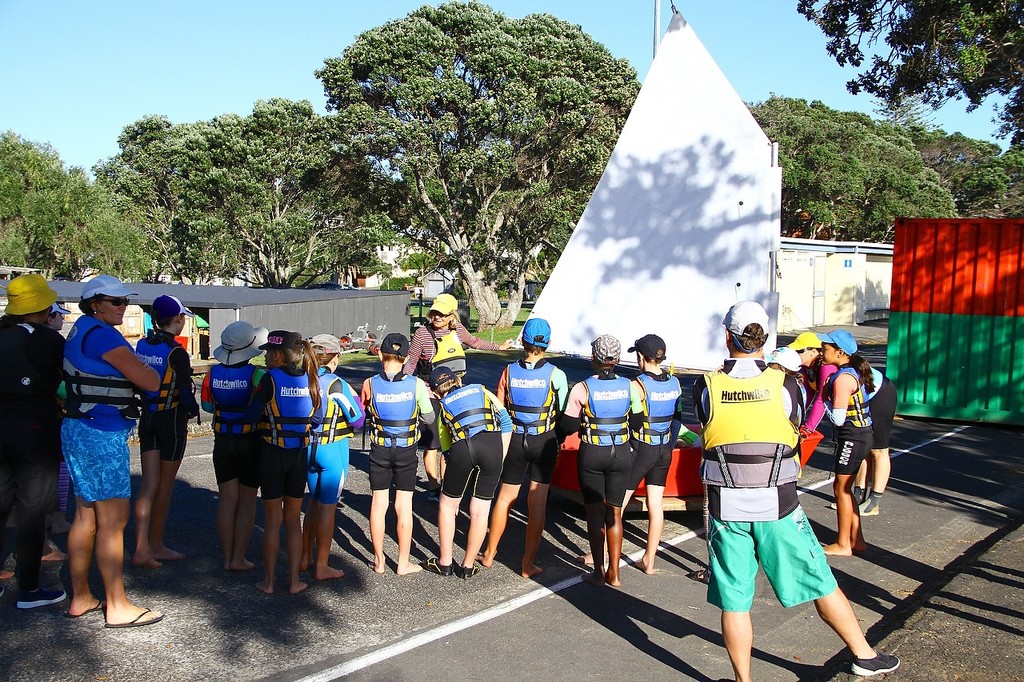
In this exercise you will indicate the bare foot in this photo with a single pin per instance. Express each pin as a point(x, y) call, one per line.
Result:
point(265, 586)
point(297, 587)
point(6, 575)
point(305, 562)
point(586, 559)
point(596, 578)
point(327, 573)
point(243, 565)
point(837, 550)
point(486, 561)
point(646, 567)
point(54, 555)
point(531, 571)
point(379, 565)
point(86, 604)
point(145, 561)
point(408, 569)
point(612, 579)
point(166, 554)
point(861, 548)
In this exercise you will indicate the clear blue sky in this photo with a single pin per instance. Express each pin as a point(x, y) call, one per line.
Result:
point(73, 74)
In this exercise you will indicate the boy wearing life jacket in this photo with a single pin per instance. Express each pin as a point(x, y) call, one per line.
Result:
point(162, 429)
point(534, 392)
point(396, 403)
point(478, 429)
point(340, 414)
point(229, 391)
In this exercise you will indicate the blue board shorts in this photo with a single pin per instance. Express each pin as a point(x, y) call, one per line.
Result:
point(97, 460)
point(787, 550)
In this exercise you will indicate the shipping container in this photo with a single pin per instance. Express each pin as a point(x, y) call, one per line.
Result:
point(957, 314)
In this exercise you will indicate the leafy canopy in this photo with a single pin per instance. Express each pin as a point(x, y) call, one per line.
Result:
point(489, 133)
point(936, 49)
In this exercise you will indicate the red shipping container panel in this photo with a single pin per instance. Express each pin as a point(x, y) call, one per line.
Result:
point(958, 266)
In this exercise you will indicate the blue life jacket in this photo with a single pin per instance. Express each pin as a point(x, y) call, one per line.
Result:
point(287, 418)
point(394, 410)
point(96, 390)
point(155, 351)
point(332, 422)
point(468, 410)
point(877, 378)
point(531, 398)
point(233, 389)
point(858, 414)
point(606, 413)
point(661, 396)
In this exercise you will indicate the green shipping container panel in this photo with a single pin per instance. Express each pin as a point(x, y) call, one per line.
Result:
point(956, 320)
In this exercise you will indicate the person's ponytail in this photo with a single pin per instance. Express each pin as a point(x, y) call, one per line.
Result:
point(312, 367)
point(863, 367)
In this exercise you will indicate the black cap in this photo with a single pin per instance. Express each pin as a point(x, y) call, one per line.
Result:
point(441, 375)
point(650, 346)
point(281, 338)
point(395, 344)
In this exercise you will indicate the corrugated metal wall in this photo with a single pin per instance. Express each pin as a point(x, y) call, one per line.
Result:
point(336, 316)
point(957, 318)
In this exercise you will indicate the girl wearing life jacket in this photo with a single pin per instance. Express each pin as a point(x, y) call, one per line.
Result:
point(439, 343)
point(29, 455)
point(163, 428)
point(340, 414)
point(101, 375)
point(655, 422)
point(535, 393)
point(816, 373)
point(478, 429)
point(396, 403)
point(290, 395)
point(229, 391)
point(846, 396)
point(598, 409)
point(877, 466)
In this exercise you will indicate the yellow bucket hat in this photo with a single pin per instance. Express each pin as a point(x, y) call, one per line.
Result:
point(27, 294)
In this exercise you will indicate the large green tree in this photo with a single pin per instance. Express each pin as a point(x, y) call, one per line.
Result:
point(845, 176)
point(934, 49)
point(263, 197)
point(490, 133)
point(57, 220)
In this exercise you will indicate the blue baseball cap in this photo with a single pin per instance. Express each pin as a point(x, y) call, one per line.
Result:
point(843, 340)
point(537, 331)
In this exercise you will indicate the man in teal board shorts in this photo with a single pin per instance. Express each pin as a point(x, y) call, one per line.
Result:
point(751, 414)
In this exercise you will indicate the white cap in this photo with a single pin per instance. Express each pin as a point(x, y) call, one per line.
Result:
point(57, 308)
point(743, 314)
point(785, 357)
point(105, 285)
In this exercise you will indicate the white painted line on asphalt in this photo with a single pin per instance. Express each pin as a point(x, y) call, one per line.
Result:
point(401, 647)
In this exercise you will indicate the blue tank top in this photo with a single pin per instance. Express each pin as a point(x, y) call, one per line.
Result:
point(96, 389)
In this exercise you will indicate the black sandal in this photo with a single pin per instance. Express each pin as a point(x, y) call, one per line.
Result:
point(434, 566)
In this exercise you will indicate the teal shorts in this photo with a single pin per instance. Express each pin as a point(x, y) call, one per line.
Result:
point(786, 550)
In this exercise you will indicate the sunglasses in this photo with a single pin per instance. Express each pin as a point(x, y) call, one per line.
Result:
point(116, 302)
point(804, 350)
point(434, 313)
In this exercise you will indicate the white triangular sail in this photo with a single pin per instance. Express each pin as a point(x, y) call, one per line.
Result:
point(683, 223)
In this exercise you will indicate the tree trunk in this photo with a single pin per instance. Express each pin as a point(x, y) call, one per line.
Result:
point(482, 294)
point(515, 302)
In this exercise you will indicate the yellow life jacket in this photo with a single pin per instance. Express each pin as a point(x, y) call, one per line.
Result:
point(448, 352)
point(748, 433)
